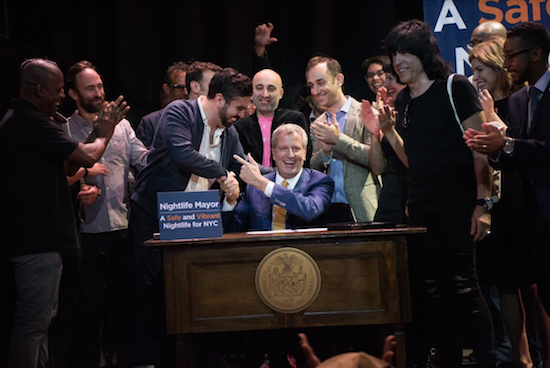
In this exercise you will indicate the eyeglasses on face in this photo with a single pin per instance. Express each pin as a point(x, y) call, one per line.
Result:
point(379, 74)
point(509, 57)
point(177, 86)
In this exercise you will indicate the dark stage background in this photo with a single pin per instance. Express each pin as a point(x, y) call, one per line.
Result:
point(133, 42)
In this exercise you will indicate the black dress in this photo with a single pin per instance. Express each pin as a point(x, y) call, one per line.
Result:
point(393, 196)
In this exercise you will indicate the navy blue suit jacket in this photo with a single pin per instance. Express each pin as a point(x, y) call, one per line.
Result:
point(305, 205)
point(147, 127)
point(175, 156)
point(532, 148)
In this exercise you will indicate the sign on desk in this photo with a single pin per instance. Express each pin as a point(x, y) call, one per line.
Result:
point(189, 215)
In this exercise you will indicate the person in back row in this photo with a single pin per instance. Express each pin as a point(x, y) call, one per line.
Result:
point(255, 130)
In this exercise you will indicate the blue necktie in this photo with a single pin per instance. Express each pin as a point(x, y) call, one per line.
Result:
point(534, 97)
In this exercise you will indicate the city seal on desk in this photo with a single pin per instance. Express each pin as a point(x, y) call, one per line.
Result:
point(288, 280)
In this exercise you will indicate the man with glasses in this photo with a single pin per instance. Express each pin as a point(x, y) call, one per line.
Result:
point(526, 145)
point(374, 74)
point(175, 89)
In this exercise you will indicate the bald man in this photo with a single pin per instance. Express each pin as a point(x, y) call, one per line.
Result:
point(488, 30)
point(255, 130)
point(37, 214)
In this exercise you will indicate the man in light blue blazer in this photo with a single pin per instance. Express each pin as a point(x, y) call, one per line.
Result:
point(304, 200)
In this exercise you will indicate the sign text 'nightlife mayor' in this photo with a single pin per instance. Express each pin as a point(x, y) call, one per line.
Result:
point(189, 215)
point(452, 22)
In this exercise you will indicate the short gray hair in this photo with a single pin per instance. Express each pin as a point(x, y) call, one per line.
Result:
point(288, 129)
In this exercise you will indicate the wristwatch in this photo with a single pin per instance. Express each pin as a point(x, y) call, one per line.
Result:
point(509, 146)
point(486, 203)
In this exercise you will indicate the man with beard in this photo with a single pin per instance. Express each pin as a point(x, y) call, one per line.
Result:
point(255, 130)
point(525, 148)
point(28, 136)
point(192, 151)
point(105, 228)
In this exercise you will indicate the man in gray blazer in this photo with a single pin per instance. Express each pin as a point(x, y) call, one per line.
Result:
point(341, 144)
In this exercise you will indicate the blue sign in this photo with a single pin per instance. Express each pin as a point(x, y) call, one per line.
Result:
point(189, 215)
point(453, 21)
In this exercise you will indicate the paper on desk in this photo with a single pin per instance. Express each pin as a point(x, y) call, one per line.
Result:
point(283, 231)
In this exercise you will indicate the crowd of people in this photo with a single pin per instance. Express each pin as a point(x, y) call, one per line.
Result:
point(466, 158)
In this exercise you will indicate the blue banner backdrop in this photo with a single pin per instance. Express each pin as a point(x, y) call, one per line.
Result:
point(452, 22)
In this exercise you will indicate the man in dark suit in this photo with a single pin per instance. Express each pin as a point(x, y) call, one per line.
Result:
point(193, 149)
point(291, 197)
point(255, 130)
point(526, 146)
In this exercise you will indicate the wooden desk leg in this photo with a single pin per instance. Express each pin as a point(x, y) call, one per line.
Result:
point(400, 349)
point(184, 350)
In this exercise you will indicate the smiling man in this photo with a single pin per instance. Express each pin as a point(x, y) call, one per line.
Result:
point(193, 149)
point(291, 197)
point(342, 144)
point(448, 194)
point(526, 146)
point(33, 146)
point(104, 232)
point(255, 130)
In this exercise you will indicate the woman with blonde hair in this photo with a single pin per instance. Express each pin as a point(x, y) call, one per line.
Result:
point(510, 257)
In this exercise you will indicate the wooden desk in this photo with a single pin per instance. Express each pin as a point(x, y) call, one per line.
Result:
point(210, 283)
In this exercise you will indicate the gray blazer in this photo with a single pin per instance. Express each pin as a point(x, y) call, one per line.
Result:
point(360, 185)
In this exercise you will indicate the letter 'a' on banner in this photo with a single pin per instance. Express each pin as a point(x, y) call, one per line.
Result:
point(189, 215)
point(452, 23)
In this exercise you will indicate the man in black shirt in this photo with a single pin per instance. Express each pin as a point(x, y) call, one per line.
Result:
point(448, 187)
point(36, 211)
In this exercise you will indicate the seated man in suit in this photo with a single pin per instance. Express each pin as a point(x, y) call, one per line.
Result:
point(290, 197)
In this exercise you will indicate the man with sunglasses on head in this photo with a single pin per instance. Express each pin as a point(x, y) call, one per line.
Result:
point(175, 89)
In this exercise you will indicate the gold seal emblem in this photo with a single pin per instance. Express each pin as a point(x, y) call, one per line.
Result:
point(288, 280)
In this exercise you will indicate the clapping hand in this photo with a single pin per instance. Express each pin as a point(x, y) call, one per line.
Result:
point(370, 119)
point(262, 34)
point(109, 116)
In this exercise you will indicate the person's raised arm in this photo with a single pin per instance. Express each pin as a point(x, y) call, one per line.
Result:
point(262, 38)
point(481, 218)
point(87, 153)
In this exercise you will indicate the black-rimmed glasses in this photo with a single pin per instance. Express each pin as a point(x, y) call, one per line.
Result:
point(177, 86)
point(509, 57)
point(378, 74)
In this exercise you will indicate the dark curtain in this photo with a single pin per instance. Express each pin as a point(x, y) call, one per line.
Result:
point(133, 42)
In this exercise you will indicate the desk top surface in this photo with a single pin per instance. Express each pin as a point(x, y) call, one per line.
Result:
point(399, 230)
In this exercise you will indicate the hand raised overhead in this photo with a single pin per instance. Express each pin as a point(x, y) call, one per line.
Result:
point(262, 34)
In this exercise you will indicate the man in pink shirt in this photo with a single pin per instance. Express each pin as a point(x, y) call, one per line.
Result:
point(255, 130)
